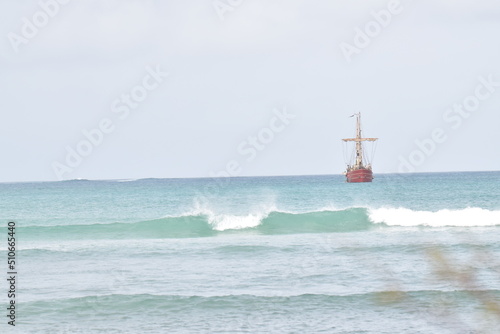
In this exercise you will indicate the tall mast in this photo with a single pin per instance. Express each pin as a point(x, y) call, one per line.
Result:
point(359, 139)
point(359, 146)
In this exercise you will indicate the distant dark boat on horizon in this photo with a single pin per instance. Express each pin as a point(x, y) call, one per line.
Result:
point(359, 169)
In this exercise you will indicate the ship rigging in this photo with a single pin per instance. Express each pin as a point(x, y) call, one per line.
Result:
point(359, 168)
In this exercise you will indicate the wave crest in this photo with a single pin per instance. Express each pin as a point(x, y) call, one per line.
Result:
point(206, 223)
point(469, 217)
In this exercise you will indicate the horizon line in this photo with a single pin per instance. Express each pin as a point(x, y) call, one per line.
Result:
point(240, 176)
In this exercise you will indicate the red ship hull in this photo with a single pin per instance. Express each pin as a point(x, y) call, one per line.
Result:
point(359, 175)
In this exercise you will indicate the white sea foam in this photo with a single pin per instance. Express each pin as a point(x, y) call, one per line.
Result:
point(231, 221)
point(445, 217)
point(222, 222)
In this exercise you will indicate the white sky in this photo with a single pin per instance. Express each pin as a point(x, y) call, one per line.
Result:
point(227, 76)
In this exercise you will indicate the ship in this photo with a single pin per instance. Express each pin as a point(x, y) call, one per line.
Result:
point(359, 169)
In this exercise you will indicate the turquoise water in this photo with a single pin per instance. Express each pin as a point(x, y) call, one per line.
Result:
point(305, 254)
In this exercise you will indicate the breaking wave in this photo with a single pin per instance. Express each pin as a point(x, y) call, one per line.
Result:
point(207, 223)
point(470, 217)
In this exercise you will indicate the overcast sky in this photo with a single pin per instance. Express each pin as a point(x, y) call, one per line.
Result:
point(232, 67)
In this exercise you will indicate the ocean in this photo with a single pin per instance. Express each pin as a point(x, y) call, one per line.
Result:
point(412, 253)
